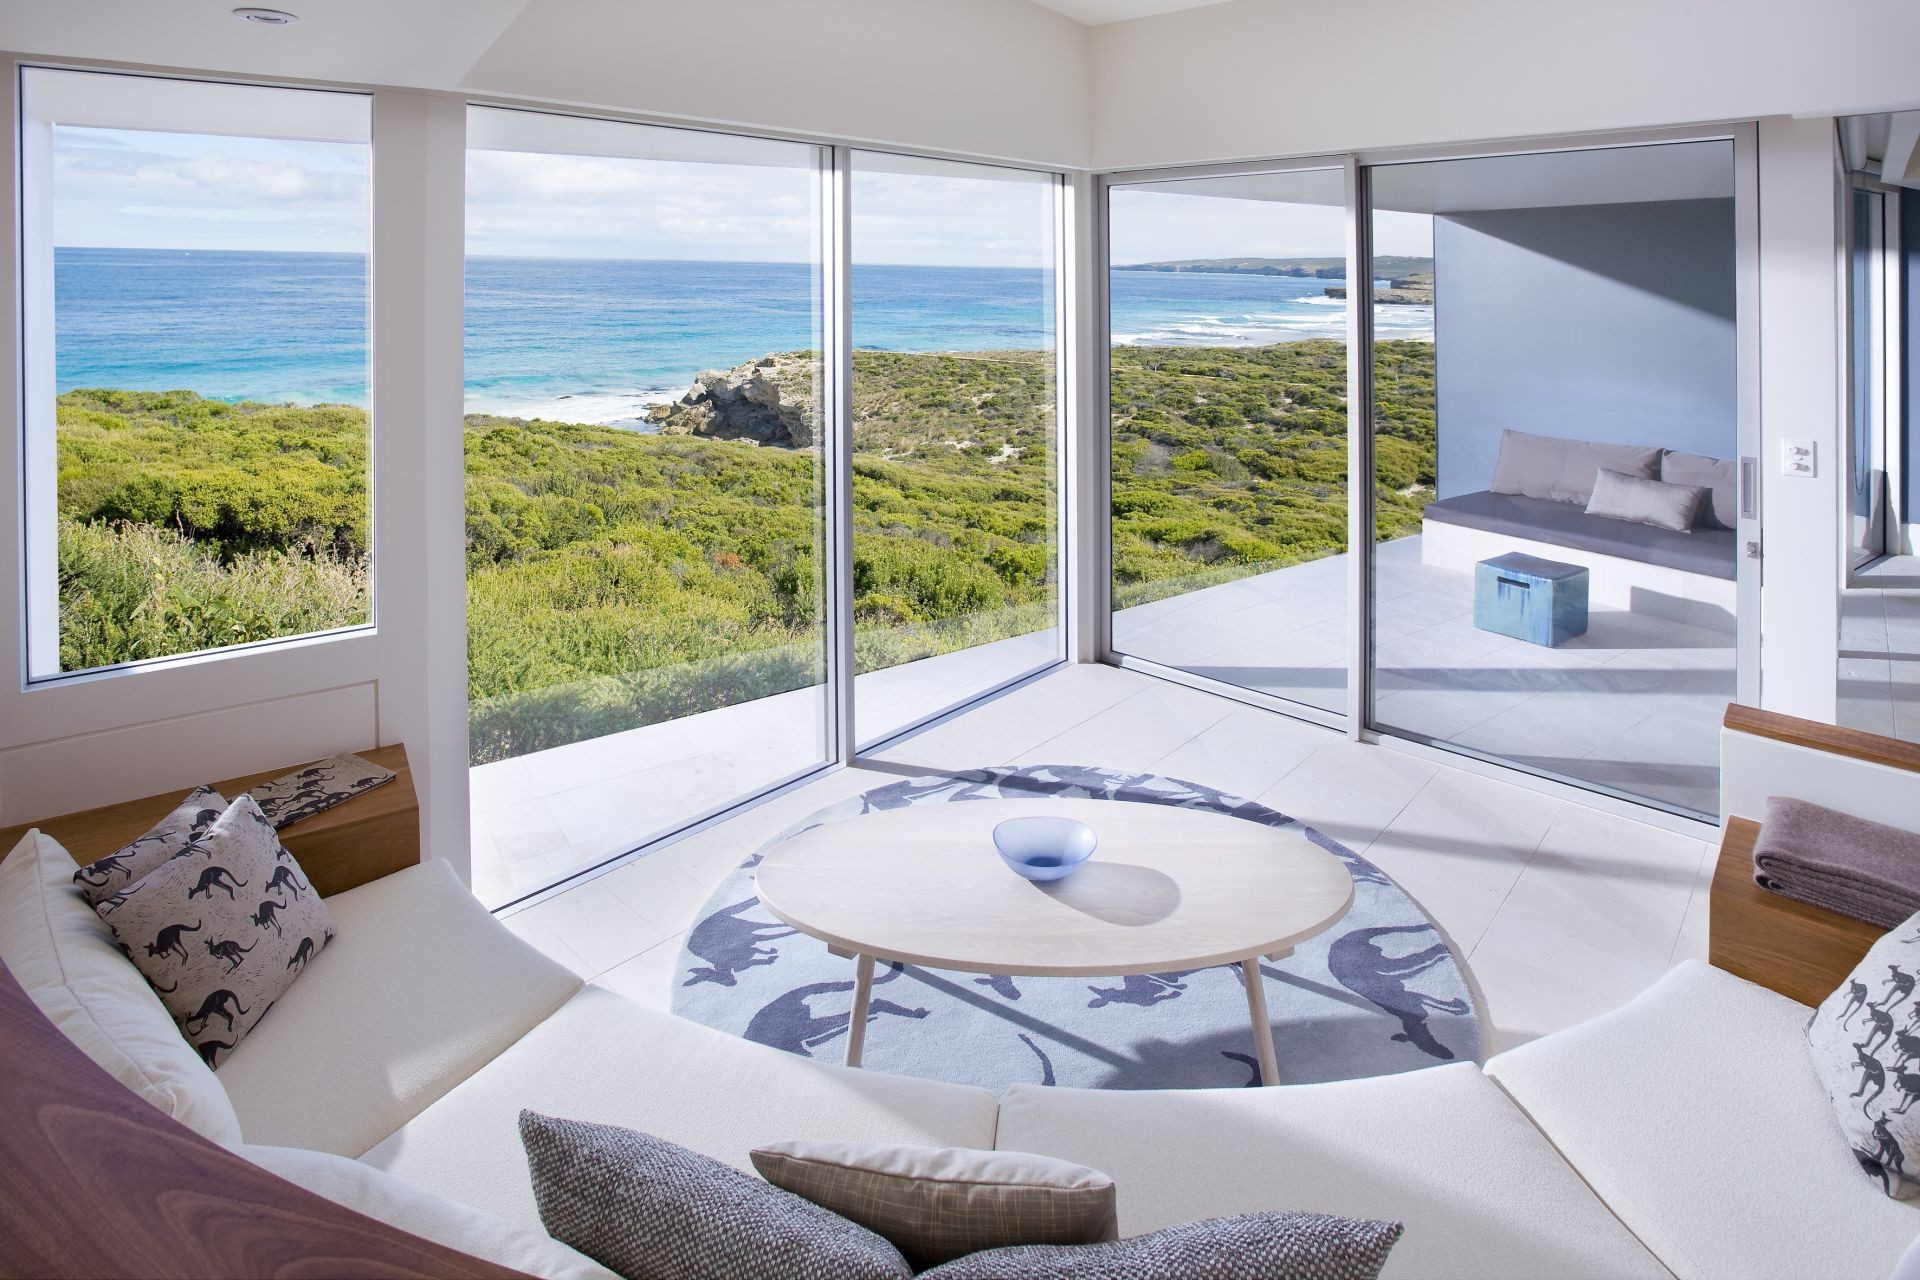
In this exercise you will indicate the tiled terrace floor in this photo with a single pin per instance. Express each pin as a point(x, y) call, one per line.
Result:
point(1880, 649)
point(1634, 704)
point(1563, 911)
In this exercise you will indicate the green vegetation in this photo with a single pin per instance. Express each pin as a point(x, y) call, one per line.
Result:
point(618, 579)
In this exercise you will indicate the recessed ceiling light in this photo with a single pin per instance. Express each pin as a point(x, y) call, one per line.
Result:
point(267, 17)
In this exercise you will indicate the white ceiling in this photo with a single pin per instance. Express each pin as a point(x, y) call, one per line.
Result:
point(419, 43)
point(1094, 13)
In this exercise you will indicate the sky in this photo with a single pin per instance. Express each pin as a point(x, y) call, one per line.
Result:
point(136, 189)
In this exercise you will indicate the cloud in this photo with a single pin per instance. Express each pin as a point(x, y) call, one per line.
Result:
point(126, 189)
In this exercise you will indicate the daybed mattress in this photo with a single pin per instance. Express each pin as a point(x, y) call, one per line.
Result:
point(1710, 552)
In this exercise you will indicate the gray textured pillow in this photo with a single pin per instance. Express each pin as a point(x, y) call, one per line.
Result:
point(938, 1203)
point(1255, 1246)
point(222, 930)
point(1561, 470)
point(1721, 477)
point(104, 877)
point(1654, 502)
point(651, 1210)
point(1862, 1039)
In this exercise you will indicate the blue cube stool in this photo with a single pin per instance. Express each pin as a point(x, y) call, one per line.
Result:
point(1540, 601)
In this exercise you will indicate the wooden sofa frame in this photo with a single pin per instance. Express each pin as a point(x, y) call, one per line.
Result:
point(96, 1182)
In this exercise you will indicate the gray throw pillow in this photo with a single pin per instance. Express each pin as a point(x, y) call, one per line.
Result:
point(222, 930)
point(1864, 1039)
point(651, 1210)
point(1255, 1246)
point(1652, 502)
point(1562, 470)
point(189, 820)
point(1721, 477)
point(938, 1203)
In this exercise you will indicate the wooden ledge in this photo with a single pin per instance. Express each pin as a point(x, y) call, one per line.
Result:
point(1855, 744)
point(374, 834)
point(1801, 951)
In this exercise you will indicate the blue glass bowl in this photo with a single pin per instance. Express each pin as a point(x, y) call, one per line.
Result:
point(1043, 848)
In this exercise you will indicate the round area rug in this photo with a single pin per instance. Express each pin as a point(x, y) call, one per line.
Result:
point(1379, 992)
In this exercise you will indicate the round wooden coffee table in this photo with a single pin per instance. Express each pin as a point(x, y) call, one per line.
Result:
point(1169, 888)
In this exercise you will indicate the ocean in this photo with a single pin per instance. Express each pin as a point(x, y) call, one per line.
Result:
point(600, 341)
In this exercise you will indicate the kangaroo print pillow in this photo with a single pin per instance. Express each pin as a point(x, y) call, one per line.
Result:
point(1865, 1038)
point(317, 788)
point(189, 821)
point(222, 930)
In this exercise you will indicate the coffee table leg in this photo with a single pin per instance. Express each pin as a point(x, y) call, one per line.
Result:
point(857, 1017)
point(1262, 1024)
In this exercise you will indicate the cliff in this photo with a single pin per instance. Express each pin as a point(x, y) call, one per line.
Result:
point(767, 401)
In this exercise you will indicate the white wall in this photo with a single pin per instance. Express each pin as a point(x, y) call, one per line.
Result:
point(1258, 78)
point(993, 78)
point(94, 740)
point(1800, 393)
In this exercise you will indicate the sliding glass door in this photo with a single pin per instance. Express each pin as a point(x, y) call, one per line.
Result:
point(1560, 592)
point(645, 612)
point(956, 547)
point(1559, 444)
point(1227, 385)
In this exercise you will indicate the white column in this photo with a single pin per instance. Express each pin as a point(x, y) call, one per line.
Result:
point(1084, 450)
point(419, 540)
point(1800, 397)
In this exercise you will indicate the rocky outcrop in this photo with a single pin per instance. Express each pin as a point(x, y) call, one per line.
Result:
point(767, 401)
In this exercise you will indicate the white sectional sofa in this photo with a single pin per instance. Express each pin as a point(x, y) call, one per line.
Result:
point(1684, 1134)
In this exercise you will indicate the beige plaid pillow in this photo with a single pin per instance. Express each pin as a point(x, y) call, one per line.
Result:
point(939, 1203)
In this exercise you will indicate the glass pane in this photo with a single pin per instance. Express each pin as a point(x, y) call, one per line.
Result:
point(199, 362)
point(955, 497)
point(1866, 335)
point(1555, 566)
point(644, 596)
point(1229, 430)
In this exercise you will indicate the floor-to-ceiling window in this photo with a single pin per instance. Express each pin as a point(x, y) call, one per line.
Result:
point(1228, 394)
point(1879, 660)
point(195, 353)
point(955, 438)
point(1563, 595)
point(644, 478)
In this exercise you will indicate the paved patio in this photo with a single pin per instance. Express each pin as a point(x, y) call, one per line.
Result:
point(1879, 670)
point(1633, 705)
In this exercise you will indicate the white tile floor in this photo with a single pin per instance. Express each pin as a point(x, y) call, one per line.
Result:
point(1563, 911)
point(1880, 649)
point(538, 818)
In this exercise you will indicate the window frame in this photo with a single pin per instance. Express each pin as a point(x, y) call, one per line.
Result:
point(34, 488)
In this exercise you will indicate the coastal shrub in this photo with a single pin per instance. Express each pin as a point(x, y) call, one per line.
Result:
point(616, 578)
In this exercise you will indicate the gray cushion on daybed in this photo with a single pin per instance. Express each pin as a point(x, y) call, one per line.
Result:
point(1703, 551)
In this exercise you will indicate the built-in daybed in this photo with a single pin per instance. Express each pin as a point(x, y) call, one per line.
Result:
point(1537, 503)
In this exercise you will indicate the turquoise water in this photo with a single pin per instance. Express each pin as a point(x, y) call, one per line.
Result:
point(598, 340)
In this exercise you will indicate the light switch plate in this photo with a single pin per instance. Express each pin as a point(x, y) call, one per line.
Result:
point(1796, 457)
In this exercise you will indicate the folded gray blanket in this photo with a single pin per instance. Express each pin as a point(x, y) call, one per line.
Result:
point(1834, 860)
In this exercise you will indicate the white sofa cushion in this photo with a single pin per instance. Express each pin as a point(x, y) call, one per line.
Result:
point(64, 958)
point(419, 1212)
point(1441, 1150)
point(419, 988)
point(1694, 1111)
point(605, 1059)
